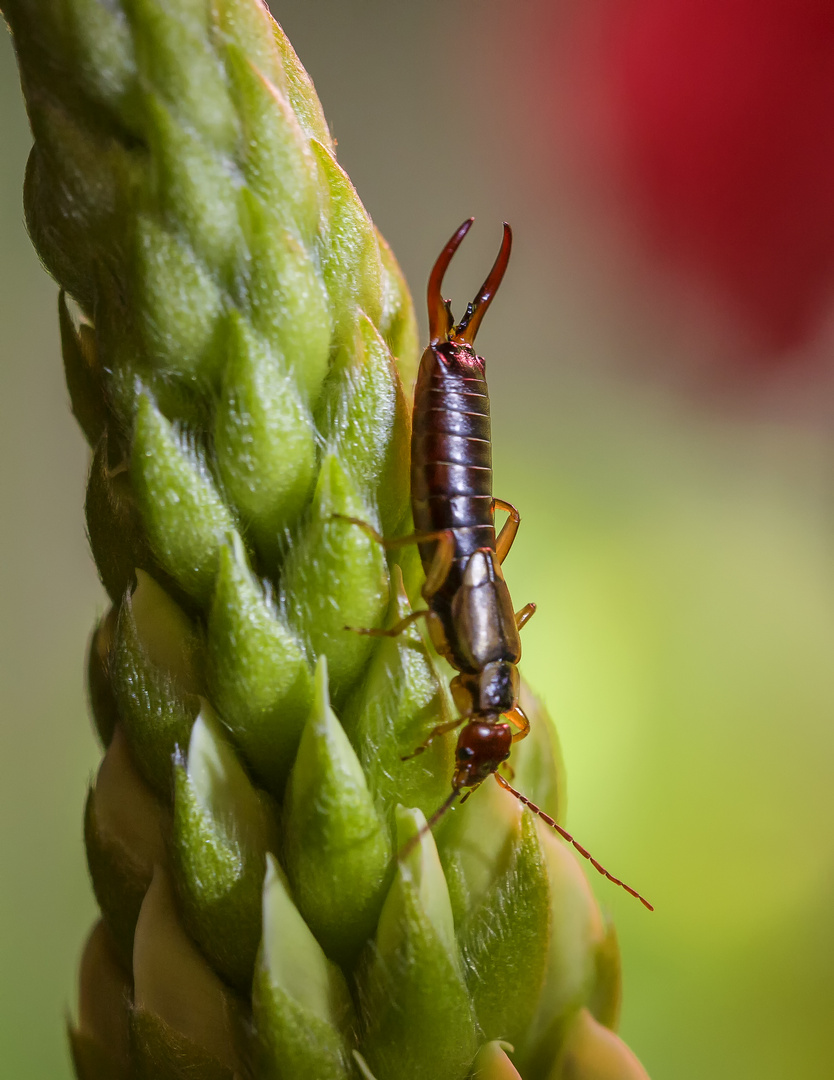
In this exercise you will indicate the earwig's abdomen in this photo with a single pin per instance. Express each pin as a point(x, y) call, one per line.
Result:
point(451, 457)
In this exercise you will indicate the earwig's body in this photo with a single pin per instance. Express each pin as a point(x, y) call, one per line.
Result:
point(470, 613)
point(451, 489)
point(473, 624)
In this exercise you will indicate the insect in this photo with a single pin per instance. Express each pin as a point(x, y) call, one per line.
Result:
point(470, 614)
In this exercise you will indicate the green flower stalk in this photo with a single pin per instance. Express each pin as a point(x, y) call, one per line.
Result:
point(236, 338)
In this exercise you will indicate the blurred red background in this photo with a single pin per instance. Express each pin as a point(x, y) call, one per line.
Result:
point(707, 126)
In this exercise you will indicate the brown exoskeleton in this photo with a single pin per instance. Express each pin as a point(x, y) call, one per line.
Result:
point(470, 613)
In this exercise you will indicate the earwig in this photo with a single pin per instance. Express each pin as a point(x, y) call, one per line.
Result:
point(470, 614)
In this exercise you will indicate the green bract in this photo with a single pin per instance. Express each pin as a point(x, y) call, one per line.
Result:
point(236, 337)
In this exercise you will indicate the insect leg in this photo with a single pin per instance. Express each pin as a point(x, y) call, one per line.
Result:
point(509, 529)
point(441, 563)
point(395, 630)
point(442, 560)
point(517, 718)
point(525, 615)
point(395, 542)
point(441, 729)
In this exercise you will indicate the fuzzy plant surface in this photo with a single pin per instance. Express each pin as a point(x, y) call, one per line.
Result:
point(236, 338)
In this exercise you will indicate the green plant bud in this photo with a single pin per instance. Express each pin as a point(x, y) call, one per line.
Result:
point(577, 933)
point(124, 829)
point(351, 263)
point(122, 386)
point(393, 712)
point(477, 839)
point(592, 1052)
point(70, 196)
point(93, 1061)
point(186, 519)
point(189, 405)
point(365, 412)
point(154, 679)
point(222, 830)
point(160, 1052)
point(102, 701)
point(194, 189)
point(174, 55)
point(287, 300)
point(114, 527)
point(104, 60)
point(333, 833)
point(257, 672)
point(264, 440)
point(415, 1005)
point(397, 323)
point(178, 305)
point(185, 1021)
point(301, 92)
point(100, 1042)
point(492, 1063)
point(501, 940)
point(606, 997)
point(278, 163)
point(246, 29)
point(166, 634)
point(336, 576)
point(301, 1003)
point(82, 374)
point(476, 845)
point(539, 770)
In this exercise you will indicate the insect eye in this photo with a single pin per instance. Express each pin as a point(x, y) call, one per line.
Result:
point(465, 753)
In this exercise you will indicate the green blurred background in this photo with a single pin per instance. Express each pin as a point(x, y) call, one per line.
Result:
point(679, 543)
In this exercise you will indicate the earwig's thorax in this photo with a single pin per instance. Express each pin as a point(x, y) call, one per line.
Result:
point(498, 687)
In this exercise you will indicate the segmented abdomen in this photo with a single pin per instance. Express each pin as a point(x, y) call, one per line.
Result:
point(451, 457)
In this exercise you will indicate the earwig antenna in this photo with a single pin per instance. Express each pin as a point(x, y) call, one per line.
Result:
point(440, 315)
point(411, 844)
point(567, 836)
point(467, 328)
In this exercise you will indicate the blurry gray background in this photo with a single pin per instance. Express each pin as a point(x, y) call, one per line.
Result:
point(678, 541)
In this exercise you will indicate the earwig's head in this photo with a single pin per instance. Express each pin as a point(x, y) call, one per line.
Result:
point(441, 321)
point(481, 749)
